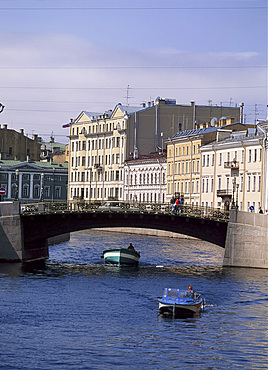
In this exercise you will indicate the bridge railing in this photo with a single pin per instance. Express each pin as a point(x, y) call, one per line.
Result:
point(125, 207)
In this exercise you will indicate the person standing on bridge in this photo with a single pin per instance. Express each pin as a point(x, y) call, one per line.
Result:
point(172, 202)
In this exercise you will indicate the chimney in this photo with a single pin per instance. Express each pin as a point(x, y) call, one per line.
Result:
point(22, 131)
point(241, 112)
point(5, 126)
point(35, 137)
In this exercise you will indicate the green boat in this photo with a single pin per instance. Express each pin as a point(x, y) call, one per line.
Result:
point(121, 256)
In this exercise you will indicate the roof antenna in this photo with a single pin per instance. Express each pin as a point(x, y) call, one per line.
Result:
point(128, 97)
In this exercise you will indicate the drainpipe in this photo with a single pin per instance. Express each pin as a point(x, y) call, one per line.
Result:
point(157, 126)
point(136, 127)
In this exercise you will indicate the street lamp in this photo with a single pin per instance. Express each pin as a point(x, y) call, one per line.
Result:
point(17, 185)
point(233, 197)
point(237, 187)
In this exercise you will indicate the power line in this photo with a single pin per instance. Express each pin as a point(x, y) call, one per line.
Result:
point(133, 67)
point(134, 88)
point(129, 8)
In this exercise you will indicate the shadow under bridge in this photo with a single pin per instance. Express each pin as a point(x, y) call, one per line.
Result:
point(44, 220)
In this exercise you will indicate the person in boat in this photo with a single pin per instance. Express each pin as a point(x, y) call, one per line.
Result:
point(131, 247)
point(190, 293)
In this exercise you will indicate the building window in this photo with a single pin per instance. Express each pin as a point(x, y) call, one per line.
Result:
point(203, 160)
point(249, 155)
point(36, 191)
point(25, 191)
point(254, 183)
point(207, 160)
point(248, 188)
point(255, 155)
point(220, 159)
point(47, 191)
point(57, 192)
point(219, 183)
point(259, 184)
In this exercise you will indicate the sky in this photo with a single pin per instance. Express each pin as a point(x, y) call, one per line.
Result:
point(60, 57)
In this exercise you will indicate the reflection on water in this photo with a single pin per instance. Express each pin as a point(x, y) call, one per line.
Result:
point(86, 314)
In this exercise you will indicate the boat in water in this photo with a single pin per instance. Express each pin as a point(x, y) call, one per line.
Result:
point(180, 303)
point(121, 256)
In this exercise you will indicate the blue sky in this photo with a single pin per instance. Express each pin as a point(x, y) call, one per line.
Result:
point(60, 57)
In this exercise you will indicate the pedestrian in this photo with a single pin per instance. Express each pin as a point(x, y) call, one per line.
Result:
point(177, 204)
point(260, 210)
point(172, 202)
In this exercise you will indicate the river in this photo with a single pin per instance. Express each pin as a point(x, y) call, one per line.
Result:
point(74, 312)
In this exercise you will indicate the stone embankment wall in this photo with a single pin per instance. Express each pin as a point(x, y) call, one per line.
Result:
point(11, 244)
point(247, 240)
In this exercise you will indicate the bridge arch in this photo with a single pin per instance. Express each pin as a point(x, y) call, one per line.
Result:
point(37, 228)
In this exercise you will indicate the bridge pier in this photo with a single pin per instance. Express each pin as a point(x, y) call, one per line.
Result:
point(246, 243)
point(12, 246)
point(11, 243)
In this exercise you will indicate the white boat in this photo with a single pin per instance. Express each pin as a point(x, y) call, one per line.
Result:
point(121, 256)
point(178, 302)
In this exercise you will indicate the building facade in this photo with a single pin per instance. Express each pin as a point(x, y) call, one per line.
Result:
point(232, 172)
point(145, 179)
point(99, 144)
point(33, 181)
point(183, 163)
point(16, 146)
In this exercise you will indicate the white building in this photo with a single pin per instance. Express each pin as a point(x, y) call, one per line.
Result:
point(263, 127)
point(232, 171)
point(145, 179)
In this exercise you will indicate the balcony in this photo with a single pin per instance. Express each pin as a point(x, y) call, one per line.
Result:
point(97, 166)
point(224, 193)
point(233, 165)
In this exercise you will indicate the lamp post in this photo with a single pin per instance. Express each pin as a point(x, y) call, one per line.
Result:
point(233, 197)
point(42, 188)
point(237, 187)
point(17, 185)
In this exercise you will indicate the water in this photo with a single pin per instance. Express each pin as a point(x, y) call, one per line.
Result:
point(77, 313)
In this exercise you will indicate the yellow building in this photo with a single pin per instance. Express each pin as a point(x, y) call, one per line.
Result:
point(183, 163)
point(184, 166)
